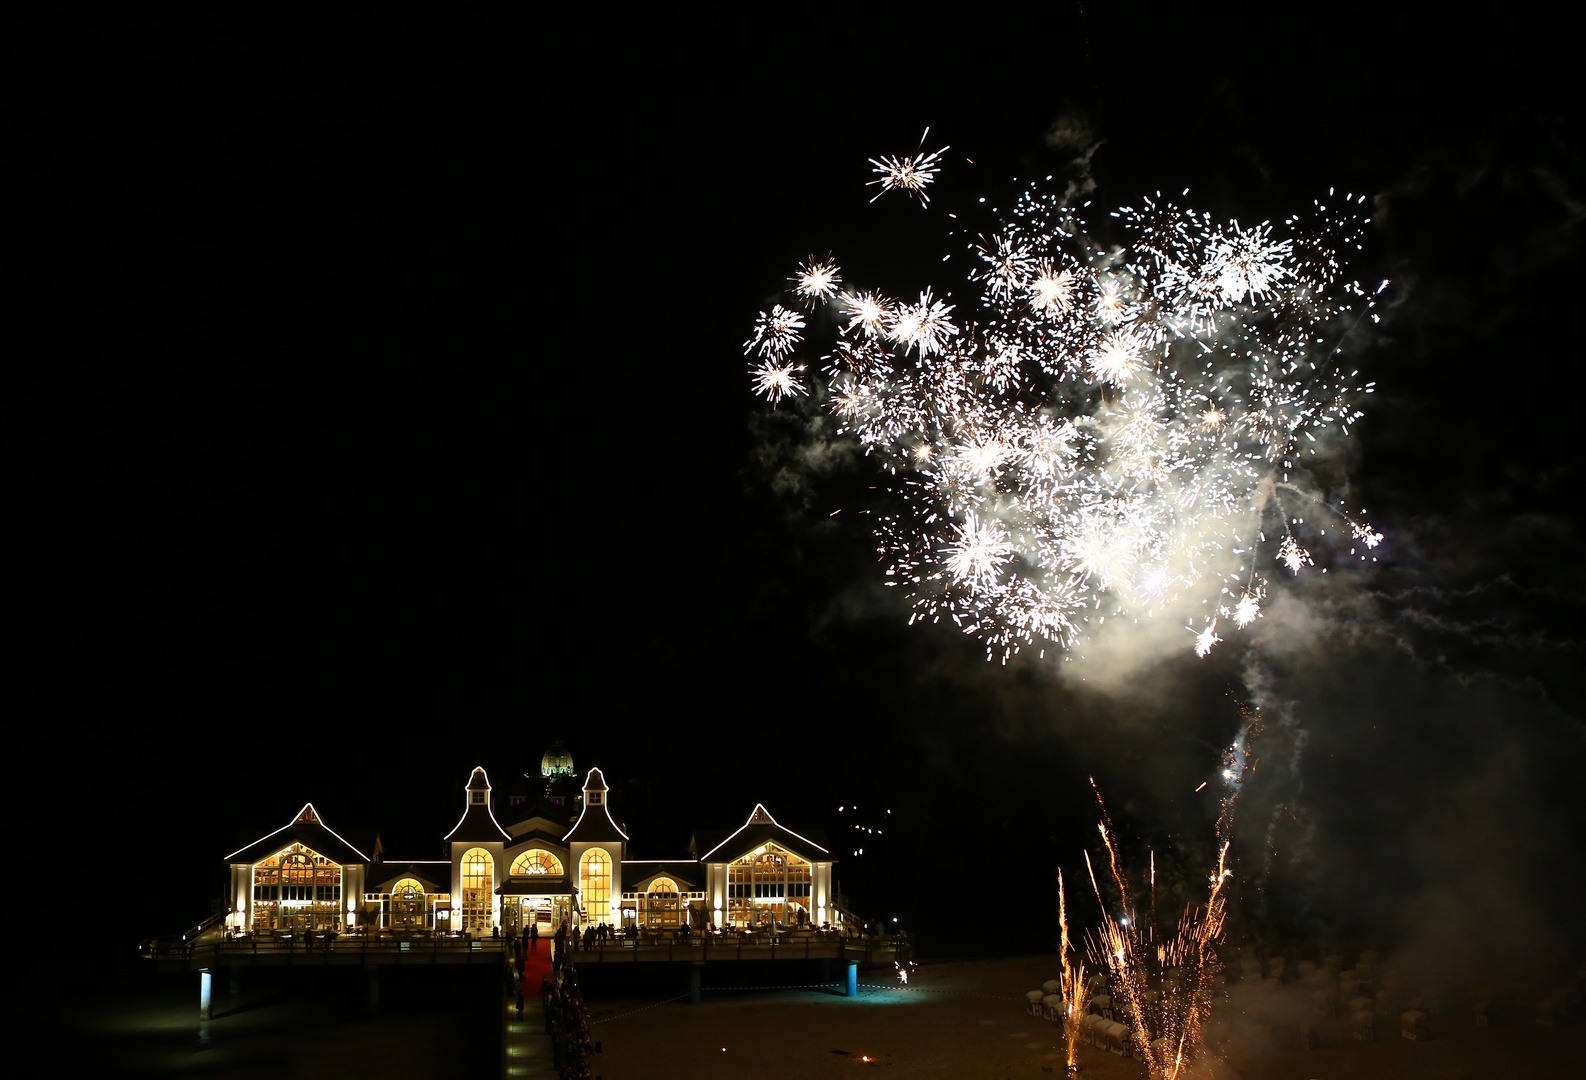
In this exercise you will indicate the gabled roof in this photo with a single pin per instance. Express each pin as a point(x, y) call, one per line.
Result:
point(759, 829)
point(554, 816)
point(477, 824)
point(594, 824)
point(307, 829)
point(536, 838)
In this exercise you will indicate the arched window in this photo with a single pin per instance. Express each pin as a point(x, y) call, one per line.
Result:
point(661, 910)
point(408, 905)
point(479, 884)
point(537, 861)
point(594, 885)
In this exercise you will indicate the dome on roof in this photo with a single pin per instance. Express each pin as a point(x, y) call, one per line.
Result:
point(557, 761)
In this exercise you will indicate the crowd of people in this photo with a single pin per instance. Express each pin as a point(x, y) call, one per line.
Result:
point(566, 1017)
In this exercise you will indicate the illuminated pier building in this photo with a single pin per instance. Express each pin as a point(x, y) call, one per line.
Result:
point(542, 863)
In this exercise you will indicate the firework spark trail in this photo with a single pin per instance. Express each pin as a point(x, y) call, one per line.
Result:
point(1112, 429)
point(1162, 982)
point(1105, 827)
point(1073, 979)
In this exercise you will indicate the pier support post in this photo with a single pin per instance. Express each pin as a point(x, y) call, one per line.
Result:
point(696, 968)
point(373, 975)
point(206, 980)
point(853, 979)
point(236, 980)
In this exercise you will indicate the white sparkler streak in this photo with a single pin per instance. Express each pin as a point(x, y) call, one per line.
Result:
point(912, 174)
point(1110, 428)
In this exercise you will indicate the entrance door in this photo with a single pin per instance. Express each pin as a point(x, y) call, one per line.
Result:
point(408, 904)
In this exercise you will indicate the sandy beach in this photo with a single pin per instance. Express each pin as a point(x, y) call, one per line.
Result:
point(954, 1019)
point(967, 1019)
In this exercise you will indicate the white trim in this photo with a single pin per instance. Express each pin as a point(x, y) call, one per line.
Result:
point(760, 808)
point(294, 821)
point(603, 809)
point(504, 834)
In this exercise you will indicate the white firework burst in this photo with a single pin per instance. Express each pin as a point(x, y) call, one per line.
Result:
point(978, 553)
point(1116, 357)
point(866, 312)
point(776, 381)
point(1111, 430)
point(912, 174)
point(776, 332)
point(924, 327)
point(1246, 611)
point(1052, 291)
point(1292, 555)
point(1205, 639)
point(817, 279)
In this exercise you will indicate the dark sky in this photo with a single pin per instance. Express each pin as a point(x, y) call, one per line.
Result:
point(383, 413)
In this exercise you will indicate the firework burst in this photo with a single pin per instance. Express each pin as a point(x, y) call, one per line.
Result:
point(911, 174)
point(1113, 428)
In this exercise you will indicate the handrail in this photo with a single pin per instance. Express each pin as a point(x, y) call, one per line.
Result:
point(260, 944)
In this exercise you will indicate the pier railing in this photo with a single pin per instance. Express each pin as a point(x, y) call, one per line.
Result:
point(715, 947)
point(216, 950)
point(263, 949)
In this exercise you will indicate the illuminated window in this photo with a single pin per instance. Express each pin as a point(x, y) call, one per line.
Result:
point(409, 905)
point(661, 910)
point(537, 861)
point(296, 889)
point(594, 884)
point(768, 883)
point(479, 884)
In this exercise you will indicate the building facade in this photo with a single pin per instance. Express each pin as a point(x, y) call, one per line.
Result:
point(542, 868)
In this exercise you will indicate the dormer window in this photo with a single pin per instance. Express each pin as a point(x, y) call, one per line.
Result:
point(479, 798)
point(595, 797)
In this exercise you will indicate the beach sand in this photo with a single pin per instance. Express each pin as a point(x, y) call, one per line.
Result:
point(968, 1019)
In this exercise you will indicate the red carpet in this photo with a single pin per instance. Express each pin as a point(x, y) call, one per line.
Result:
point(536, 966)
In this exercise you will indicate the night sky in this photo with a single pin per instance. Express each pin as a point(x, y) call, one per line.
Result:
point(383, 413)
